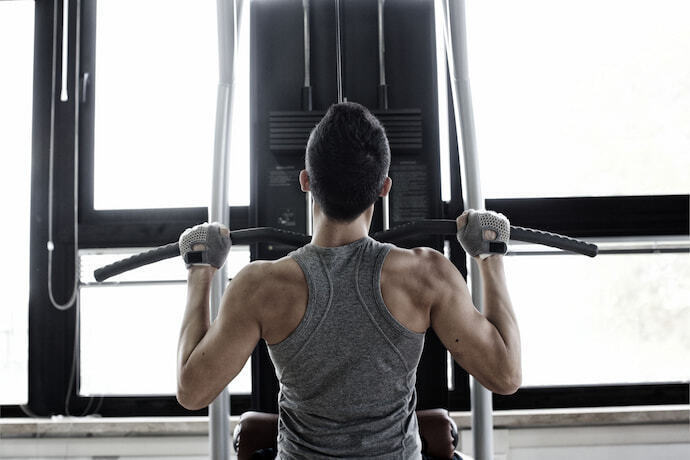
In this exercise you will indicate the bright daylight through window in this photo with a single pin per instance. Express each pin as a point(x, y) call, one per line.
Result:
point(16, 86)
point(606, 320)
point(130, 326)
point(156, 104)
point(155, 108)
point(544, 95)
point(572, 99)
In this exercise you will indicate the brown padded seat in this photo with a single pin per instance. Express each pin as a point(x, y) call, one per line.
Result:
point(438, 432)
point(257, 431)
point(254, 432)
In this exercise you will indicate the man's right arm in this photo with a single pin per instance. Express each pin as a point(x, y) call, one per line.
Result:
point(487, 345)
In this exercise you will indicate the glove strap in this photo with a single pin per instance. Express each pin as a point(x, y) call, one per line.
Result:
point(498, 247)
point(195, 258)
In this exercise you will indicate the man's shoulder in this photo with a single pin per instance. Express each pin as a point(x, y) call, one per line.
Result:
point(271, 274)
point(276, 293)
point(417, 270)
point(409, 285)
point(421, 261)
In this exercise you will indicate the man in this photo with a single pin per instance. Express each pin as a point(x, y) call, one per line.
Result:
point(344, 317)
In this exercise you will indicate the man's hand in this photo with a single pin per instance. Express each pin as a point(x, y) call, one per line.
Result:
point(483, 233)
point(205, 245)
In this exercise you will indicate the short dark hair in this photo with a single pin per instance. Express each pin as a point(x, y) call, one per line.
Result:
point(347, 160)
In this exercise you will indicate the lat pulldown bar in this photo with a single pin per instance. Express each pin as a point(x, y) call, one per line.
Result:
point(443, 227)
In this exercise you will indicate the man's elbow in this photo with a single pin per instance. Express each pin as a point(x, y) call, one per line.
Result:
point(509, 383)
point(189, 402)
point(189, 395)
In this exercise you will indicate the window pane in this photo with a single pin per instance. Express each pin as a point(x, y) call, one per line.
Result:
point(156, 89)
point(16, 78)
point(129, 331)
point(572, 99)
point(614, 319)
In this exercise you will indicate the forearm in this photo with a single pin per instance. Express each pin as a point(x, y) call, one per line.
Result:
point(196, 320)
point(498, 309)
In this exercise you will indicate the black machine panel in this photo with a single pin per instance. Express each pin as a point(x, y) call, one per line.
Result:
point(281, 125)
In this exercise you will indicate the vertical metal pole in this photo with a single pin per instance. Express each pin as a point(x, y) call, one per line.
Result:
point(307, 99)
point(456, 51)
point(383, 88)
point(338, 53)
point(307, 47)
point(385, 210)
point(382, 49)
point(219, 211)
point(383, 99)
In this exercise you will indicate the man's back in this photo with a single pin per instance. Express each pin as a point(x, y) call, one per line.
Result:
point(406, 280)
point(327, 317)
point(347, 368)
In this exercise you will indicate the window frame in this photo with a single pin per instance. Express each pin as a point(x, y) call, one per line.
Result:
point(13, 408)
point(578, 217)
point(130, 227)
point(52, 343)
point(51, 333)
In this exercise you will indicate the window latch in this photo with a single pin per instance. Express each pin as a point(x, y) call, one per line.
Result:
point(84, 86)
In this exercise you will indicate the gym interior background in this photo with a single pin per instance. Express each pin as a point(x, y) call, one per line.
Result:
point(106, 134)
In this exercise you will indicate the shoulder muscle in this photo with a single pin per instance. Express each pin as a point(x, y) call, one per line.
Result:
point(407, 285)
point(277, 295)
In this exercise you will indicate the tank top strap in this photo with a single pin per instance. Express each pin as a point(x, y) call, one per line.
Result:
point(404, 341)
point(319, 302)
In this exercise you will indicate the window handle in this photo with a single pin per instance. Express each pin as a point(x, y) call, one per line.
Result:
point(84, 85)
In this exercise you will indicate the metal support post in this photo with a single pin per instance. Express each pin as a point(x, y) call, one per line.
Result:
point(383, 98)
point(219, 211)
point(456, 51)
point(307, 100)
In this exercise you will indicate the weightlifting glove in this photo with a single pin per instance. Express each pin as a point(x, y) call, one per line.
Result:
point(216, 240)
point(471, 235)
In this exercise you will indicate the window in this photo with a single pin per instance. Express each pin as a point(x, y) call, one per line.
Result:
point(606, 320)
point(155, 106)
point(16, 78)
point(582, 126)
point(130, 326)
point(147, 134)
point(141, 93)
point(571, 99)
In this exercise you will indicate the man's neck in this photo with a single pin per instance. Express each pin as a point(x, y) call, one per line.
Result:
point(330, 233)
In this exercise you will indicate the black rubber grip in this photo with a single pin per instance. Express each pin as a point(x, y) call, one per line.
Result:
point(245, 236)
point(554, 240)
point(449, 227)
point(420, 228)
point(136, 261)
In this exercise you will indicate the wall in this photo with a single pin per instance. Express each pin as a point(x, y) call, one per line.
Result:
point(591, 434)
point(638, 442)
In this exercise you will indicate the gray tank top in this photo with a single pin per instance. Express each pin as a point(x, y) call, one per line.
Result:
point(347, 373)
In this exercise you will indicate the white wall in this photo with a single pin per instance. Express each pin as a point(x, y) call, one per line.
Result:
point(144, 447)
point(625, 442)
